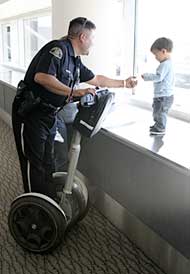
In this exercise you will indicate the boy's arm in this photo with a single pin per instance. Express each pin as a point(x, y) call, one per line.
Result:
point(151, 77)
point(161, 72)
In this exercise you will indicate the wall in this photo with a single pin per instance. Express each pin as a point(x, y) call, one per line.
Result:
point(143, 194)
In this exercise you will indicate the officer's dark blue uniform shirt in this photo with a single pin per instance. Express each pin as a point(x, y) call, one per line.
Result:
point(56, 58)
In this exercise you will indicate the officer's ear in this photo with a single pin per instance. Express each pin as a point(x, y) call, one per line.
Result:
point(82, 37)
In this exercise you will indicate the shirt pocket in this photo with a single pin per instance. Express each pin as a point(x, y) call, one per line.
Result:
point(67, 78)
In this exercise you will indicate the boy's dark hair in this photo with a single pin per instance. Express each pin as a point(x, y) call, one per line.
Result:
point(162, 43)
point(78, 24)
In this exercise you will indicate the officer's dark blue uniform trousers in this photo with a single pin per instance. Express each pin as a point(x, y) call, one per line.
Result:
point(34, 137)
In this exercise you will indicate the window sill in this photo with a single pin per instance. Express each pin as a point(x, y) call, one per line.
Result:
point(10, 77)
point(131, 124)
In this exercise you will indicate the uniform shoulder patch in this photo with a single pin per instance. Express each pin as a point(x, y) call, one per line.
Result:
point(57, 52)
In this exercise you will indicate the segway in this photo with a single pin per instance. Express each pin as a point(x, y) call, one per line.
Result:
point(38, 223)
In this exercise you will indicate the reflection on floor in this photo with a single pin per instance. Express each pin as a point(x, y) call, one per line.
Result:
point(132, 124)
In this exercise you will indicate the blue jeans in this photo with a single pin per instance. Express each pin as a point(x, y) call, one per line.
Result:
point(65, 120)
point(61, 148)
point(161, 106)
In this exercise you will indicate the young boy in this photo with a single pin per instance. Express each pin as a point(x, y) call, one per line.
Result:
point(163, 84)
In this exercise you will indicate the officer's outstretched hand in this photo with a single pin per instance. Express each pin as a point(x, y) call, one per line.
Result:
point(81, 92)
point(130, 82)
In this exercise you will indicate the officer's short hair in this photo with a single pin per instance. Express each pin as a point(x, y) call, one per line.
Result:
point(78, 24)
point(162, 43)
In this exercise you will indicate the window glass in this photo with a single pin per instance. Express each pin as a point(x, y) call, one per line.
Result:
point(37, 32)
point(7, 32)
point(20, 40)
point(165, 18)
point(8, 55)
point(10, 42)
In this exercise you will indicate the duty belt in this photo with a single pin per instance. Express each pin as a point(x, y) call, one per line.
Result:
point(49, 108)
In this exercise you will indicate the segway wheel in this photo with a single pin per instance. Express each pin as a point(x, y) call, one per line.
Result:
point(80, 198)
point(81, 192)
point(79, 202)
point(36, 222)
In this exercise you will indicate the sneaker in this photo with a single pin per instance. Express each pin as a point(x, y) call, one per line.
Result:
point(151, 127)
point(155, 131)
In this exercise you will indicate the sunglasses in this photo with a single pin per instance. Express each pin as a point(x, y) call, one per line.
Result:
point(83, 25)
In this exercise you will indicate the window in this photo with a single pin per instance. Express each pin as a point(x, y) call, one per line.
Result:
point(37, 32)
point(10, 43)
point(158, 19)
point(7, 47)
point(22, 38)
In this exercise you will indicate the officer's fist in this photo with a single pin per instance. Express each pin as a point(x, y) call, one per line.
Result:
point(81, 92)
point(130, 82)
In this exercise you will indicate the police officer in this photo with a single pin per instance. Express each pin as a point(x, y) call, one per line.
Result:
point(50, 81)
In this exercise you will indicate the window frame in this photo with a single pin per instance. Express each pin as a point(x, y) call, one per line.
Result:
point(20, 66)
